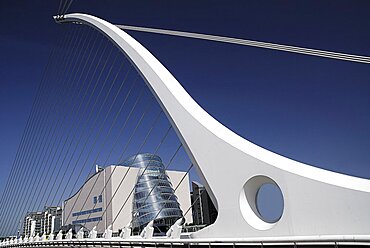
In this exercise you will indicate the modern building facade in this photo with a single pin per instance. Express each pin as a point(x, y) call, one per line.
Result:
point(51, 221)
point(204, 211)
point(154, 196)
point(107, 197)
point(32, 223)
point(47, 221)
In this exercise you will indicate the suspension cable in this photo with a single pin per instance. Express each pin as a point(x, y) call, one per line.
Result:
point(41, 127)
point(61, 140)
point(46, 185)
point(146, 167)
point(39, 149)
point(245, 42)
point(178, 185)
point(111, 150)
point(165, 169)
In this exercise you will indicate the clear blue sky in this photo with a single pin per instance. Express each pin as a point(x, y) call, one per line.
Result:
point(311, 109)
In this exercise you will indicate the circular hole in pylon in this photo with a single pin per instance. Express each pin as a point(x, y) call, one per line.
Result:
point(270, 202)
point(261, 202)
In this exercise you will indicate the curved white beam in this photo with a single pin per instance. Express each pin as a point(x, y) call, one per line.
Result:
point(316, 201)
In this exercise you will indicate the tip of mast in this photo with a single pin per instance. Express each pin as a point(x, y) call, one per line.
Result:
point(58, 18)
point(61, 19)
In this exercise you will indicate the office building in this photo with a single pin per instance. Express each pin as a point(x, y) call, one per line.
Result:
point(51, 221)
point(107, 197)
point(204, 211)
point(47, 221)
point(32, 223)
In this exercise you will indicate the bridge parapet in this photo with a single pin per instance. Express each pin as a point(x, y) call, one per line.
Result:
point(161, 242)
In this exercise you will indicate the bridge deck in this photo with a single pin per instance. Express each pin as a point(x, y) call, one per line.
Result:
point(187, 243)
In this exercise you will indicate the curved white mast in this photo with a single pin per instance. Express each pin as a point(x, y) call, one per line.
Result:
point(316, 202)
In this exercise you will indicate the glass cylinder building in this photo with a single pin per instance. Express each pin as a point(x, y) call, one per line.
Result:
point(154, 196)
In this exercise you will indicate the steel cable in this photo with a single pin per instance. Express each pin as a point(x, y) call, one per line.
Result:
point(127, 144)
point(120, 133)
point(75, 111)
point(178, 185)
point(39, 127)
point(132, 190)
point(165, 169)
point(124, 150)
point(81, 115)
point(75, 96)
point(38, 150)
point(81, 118)
point(60, 140)
point(91, 132)
point(245, 42)
point(29, 123)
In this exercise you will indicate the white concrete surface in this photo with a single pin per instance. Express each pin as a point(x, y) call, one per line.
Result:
point(316, 202)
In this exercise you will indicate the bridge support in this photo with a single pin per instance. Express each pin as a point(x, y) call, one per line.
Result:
point(316, 202)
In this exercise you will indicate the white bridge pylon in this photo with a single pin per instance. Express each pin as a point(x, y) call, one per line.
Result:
point(317, 202)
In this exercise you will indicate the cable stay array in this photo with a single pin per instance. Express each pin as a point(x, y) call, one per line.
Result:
point(64, 6)
point(99, 147)
point(92, 110)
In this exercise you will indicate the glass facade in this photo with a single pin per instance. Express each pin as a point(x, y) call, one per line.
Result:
point(154, 196)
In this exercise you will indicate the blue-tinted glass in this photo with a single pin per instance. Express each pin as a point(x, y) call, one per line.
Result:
point(152, 179)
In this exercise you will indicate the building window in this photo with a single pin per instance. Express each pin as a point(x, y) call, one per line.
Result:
point(100, 198)
point(95, 210)
point(87, 220)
